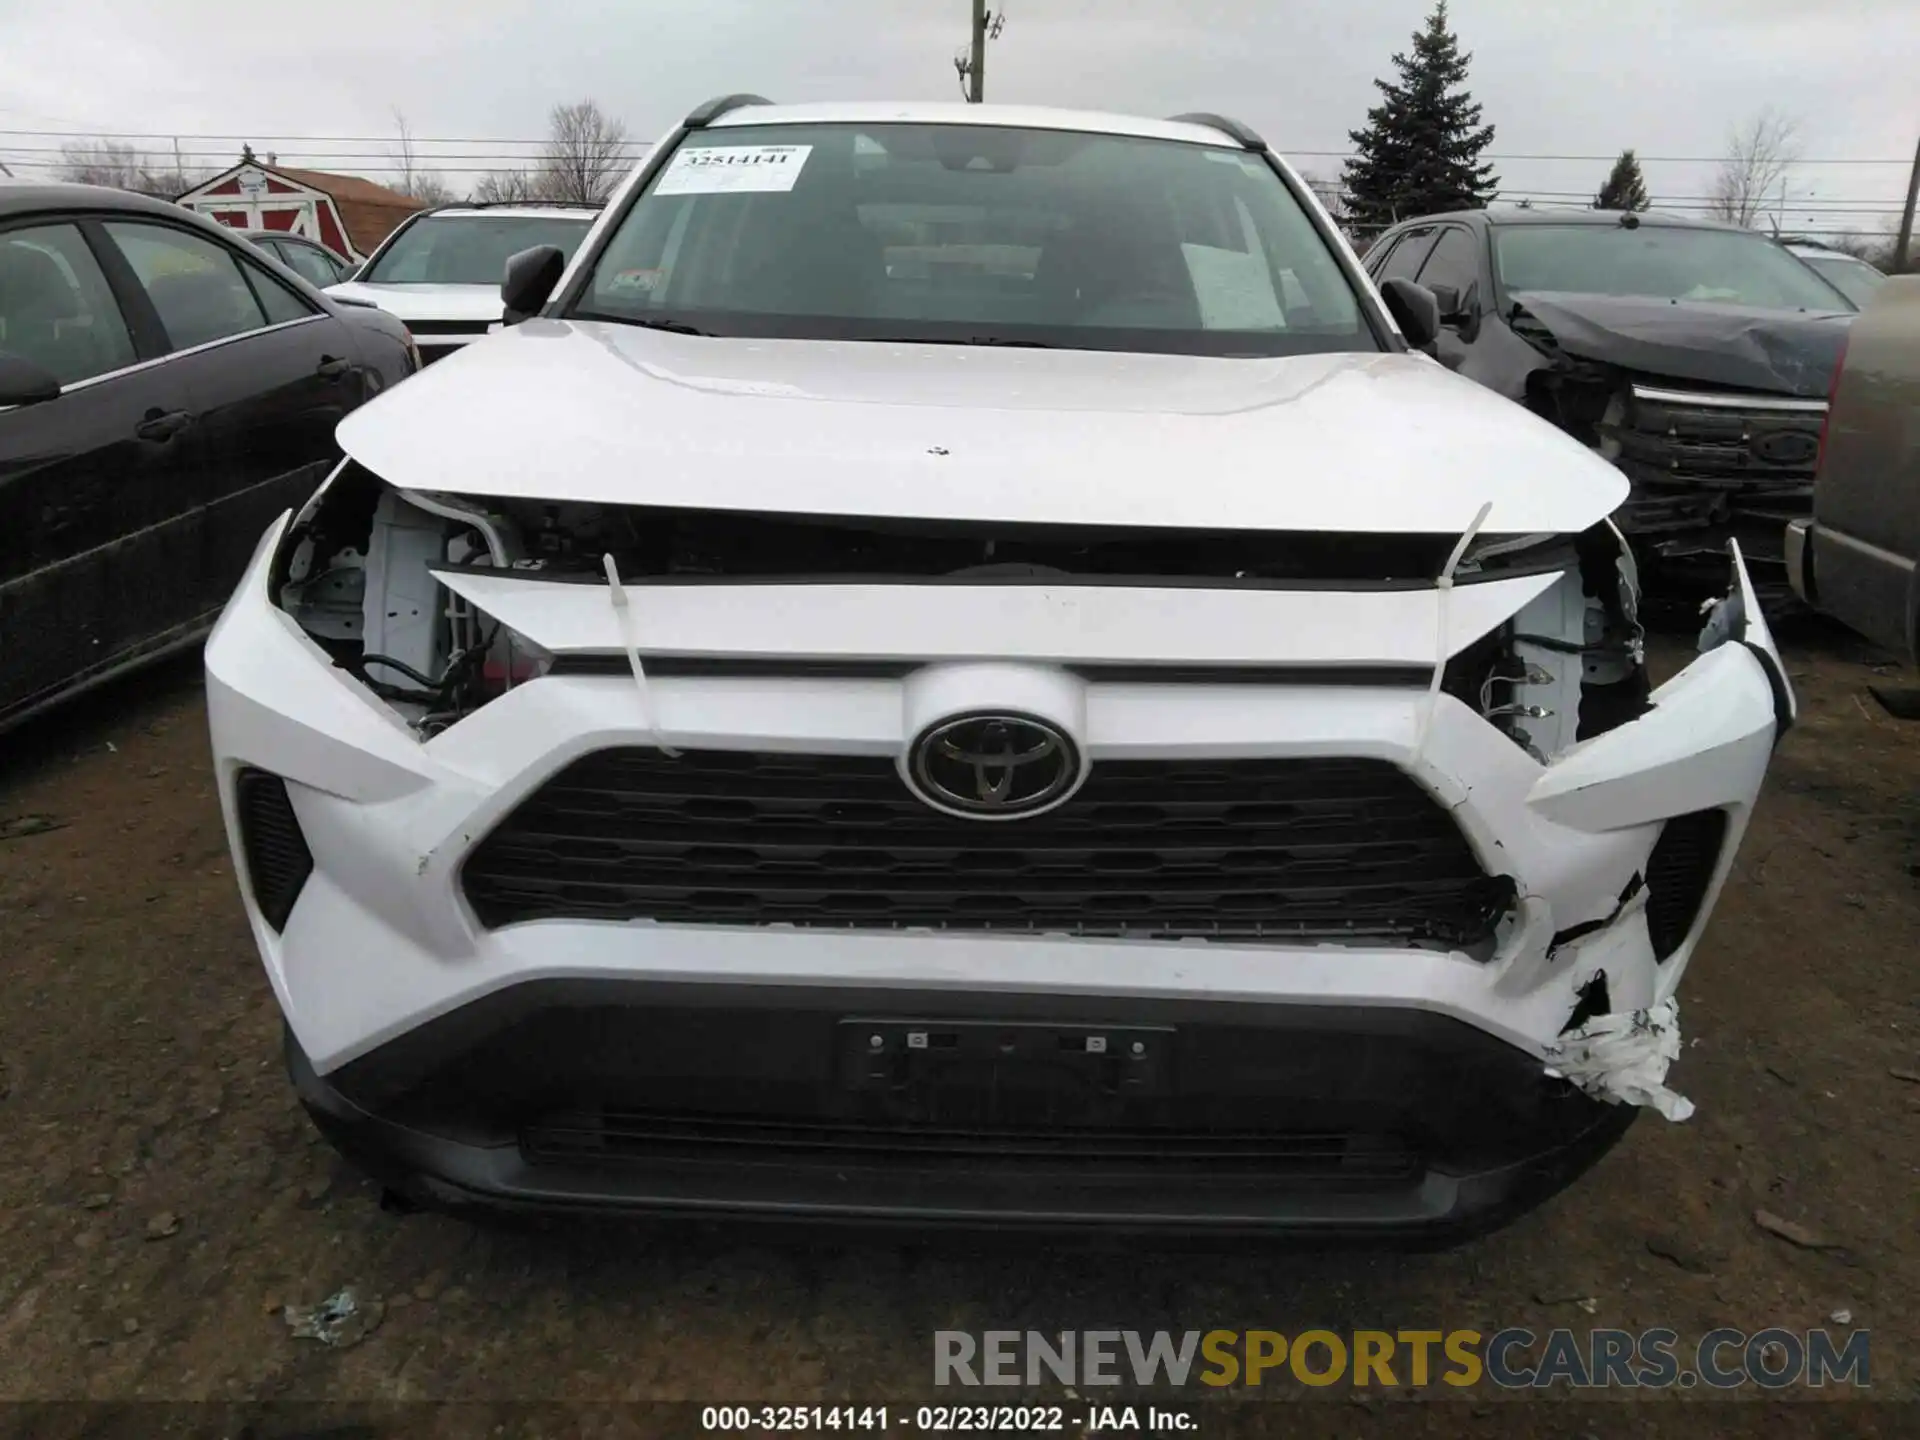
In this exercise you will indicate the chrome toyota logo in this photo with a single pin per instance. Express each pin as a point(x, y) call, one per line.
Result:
point(993, 767)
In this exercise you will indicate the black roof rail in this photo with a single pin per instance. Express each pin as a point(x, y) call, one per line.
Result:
point(704, 115)
point(1247, 138)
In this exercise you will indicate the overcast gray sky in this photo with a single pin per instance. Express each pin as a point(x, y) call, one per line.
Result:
point(1668, 77)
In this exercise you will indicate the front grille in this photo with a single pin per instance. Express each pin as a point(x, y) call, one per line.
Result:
point(1701, 460)
point(278, 861)
point(1228, 849)
point(642, 1137)
point(1678, 872)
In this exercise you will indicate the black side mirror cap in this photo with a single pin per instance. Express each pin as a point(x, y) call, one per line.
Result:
point(1414, 310)
point(24, 383)
point(529, 281)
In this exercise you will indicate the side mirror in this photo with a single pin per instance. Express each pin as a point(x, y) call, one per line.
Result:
point(1414, 310)
point(530, 278)
point(24, 383)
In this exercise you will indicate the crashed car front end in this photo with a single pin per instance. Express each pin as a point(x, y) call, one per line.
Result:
point(1714, 414)
point(599, 857)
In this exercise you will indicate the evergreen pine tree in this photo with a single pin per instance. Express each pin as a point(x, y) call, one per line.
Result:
point(1420, 152)
point(1626, 187)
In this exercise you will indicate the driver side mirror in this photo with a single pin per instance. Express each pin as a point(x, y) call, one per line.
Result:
point(530, 278)
point(1414, 310)
point(24, 383)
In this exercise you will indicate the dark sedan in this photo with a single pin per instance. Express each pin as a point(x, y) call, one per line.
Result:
point(304, 257)
point(166, 390)
point(1697, 357)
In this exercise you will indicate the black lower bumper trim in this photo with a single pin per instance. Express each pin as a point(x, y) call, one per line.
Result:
point(1387, 1160)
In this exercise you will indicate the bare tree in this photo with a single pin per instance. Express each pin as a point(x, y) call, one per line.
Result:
point(1760, 155)
point(110, 162)
point(586, 154)
point(415, 180)
point(498, 186)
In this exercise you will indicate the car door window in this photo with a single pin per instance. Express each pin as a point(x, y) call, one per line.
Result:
point(195, 284)
point(1403, 261)
point(1455, 261)
point(280, 304)
point(55, 306)
point(308, 262)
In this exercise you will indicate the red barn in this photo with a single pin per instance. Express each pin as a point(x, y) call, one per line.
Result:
point(343, 212)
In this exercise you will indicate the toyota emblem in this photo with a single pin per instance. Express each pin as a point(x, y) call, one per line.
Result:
point(1785, 447)
point(993, 767)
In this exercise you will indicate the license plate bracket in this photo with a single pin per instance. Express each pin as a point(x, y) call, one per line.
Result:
point(917, 1062)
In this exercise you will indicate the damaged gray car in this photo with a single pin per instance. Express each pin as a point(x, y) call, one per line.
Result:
point(1697, 357)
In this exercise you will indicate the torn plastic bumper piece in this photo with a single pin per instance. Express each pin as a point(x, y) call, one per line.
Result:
point(1623, 1058)
point(1707, 738)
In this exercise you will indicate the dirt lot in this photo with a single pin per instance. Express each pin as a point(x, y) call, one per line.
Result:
point(161, 1196)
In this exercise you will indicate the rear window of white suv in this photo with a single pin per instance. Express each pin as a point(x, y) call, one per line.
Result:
point(976, 234)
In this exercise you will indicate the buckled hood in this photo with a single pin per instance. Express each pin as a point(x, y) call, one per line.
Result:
point(610, 413)
point(1781, 352)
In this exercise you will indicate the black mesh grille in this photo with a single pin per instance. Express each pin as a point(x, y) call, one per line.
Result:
point(642, 1137)
point(278, 861)
point(1165, 849)
point(1678, 871)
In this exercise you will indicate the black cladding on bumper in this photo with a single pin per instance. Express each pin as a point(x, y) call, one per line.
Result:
point(672, 1100)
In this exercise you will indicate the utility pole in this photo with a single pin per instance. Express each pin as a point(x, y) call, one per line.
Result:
point(971, 64)
point(977, 72)
point(1901, 246)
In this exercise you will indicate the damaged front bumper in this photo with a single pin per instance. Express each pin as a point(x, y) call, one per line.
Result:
point(447, 1051)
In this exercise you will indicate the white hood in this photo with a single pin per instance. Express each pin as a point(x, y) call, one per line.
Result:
point(610, 413)
point(427, 302)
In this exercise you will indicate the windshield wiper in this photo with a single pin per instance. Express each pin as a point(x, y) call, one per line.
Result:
point(646, 322)
point(1000, 340)
point(678, 327)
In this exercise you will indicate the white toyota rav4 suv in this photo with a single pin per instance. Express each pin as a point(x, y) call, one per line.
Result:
point(957, 664)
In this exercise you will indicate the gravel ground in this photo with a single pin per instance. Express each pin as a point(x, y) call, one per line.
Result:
point(162, 1198)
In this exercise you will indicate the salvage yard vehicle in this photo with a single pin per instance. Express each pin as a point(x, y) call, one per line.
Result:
point(166, 390)
point(440, 270)
point(1858, 557)
point(1093, 733)
point(1695, 356)
point(1855, 278)
point(307, 258)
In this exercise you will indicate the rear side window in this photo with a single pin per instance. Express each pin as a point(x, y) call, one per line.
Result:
point(310, 263)
point(1403, 261)
point(1455, 261)
point(195, 285)
point(279, 303)
point(55, 306)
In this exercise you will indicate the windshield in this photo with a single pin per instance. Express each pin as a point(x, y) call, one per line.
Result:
point(1855, 279)
point(1660, 262)
point(972, 234)
point(470, 249)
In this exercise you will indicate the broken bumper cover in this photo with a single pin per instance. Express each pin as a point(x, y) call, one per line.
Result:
point(383, 969)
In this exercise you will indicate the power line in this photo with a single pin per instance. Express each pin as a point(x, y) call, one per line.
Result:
point(258, 139)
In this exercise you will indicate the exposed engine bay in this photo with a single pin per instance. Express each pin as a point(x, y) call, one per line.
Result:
point(357, 572)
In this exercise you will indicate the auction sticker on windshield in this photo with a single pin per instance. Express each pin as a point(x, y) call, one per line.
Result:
point(733, 169)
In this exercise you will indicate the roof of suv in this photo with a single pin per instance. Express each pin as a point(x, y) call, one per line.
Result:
point(1514, 215)
point(917, 112)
